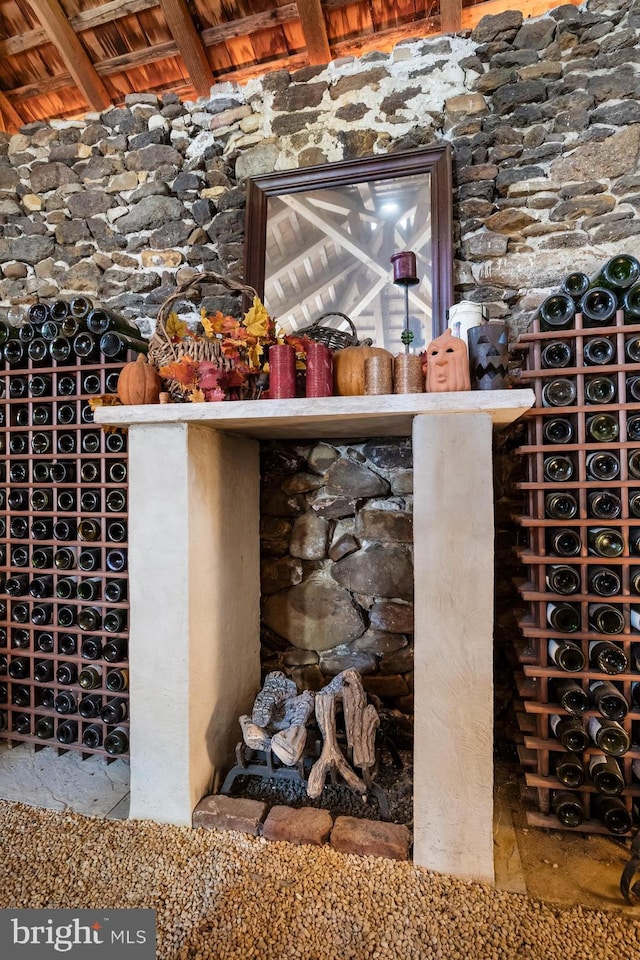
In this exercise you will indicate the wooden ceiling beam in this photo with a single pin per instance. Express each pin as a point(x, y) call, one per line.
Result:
point(450, 16)
point(314, 29)
point(74, 56)
point(183, 30)
point(10, 119)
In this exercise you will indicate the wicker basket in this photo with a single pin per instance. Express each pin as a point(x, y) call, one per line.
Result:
point(333, 337)
point(162, 351)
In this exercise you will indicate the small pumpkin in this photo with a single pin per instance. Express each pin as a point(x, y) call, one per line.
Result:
point(348, 369)
point(139, 382)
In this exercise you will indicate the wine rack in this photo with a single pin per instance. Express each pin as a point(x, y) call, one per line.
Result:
point(63, 560)
point(539, 670)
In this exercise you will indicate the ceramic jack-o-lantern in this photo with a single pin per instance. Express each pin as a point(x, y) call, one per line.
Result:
point(447, 364)
point(488, 356)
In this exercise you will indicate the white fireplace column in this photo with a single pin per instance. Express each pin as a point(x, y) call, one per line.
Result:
point(194, 585)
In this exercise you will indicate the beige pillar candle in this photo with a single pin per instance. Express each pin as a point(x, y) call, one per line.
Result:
point(378, 375)
point(407, 376)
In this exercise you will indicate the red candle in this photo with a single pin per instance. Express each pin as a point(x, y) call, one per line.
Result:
point(319, 370)
point(404, 267)
point(282, 371)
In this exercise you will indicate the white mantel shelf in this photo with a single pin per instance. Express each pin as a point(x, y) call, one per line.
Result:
point(321, 417)
point(194, 591)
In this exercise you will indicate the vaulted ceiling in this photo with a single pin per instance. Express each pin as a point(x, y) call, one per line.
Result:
point(61, 58)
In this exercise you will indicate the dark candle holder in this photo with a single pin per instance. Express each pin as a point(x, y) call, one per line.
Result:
point(405, 274)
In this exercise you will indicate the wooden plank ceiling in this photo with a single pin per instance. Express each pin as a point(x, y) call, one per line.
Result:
point(61, 58)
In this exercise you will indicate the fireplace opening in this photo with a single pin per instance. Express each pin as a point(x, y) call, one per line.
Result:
point(336, 557)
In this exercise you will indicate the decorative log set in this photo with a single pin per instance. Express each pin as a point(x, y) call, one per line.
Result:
point(278, 725)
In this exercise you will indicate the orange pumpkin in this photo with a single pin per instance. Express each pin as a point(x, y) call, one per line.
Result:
point(139, 382)
point(348, 369)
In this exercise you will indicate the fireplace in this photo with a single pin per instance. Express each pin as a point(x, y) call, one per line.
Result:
point(195, 597)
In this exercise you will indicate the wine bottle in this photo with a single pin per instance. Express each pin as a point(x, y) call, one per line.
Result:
point(634, 464)
point(604, 505)
point(91, 648)
point(67, 673)
point(64, 471)
point(635, 695)
point(67, 731)
point(66, 616)
point(557, 353)
point(570, 732)
point(38, 352)
point(90, 618)
point(67, 645)
point(66, 414)
point(598, 307)
point(569, 770)
point(634, 582)
point(91, 383)
point(92, 736)
point(61, 349)
point(618, 273)
point(66, 443)
point(558, 468)
point(607, 657)
point(89, 560)
point(116, 531)
point(41, 443)
point(43, 671)
point(39, 385)
point(18, 668)
point(27, 332)
point(64, 559)
point(111, 381)
point(570, 695)
point(21, 696)
point(86, 413)
point(556, 430)
point(64, 529)
point(80, 307)
point(575, 285)
point(66, 588)
point(66, 501)
point(609, 736)
point(116, 560)
point(90, 706)
point(633, 427)
point(65, 702)
point(89, 530)
point(19, 637)
point(43, 728)
point(115, 621)
point(17, 444)
point(605, 542)
point(90, 678)
point(608, 700)
point(46, 697)
point(90, 589)
point(101, 320)
point(565, 543)
point(114, 442)
point(557, 312)
point(17, 471)
point(115, 345)
point(559, 579)
point(606, 618)
point(87, 347)
point(606, 775)
point(18, 585)
point(41, 500)
point(603, 428)
point(41, 415)
point(117, 680)
point(566, 655)
point(116, 501)
point(66, 385)
point(44, 641)
point(90, 442)
point(114, 711)
point(89, 471)
point(633, 389)
point(613, 813)
point(22, 724)
point(632, 349)
point(559, 392)
point(90, 501)
point(14, 353)
point(37, 313)
point(630, 303)
point(19, 555)
point(602, 466)
point(116, 741)
point(604, 581)
point(115, 650)
point(597, 351)
point(20, 612)
point(599, 390)
point(41, 587)
point(563, 617)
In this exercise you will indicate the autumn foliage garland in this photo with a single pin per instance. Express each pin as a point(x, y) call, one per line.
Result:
point(243, 344)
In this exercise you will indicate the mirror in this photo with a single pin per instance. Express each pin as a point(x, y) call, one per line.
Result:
point(319, 240)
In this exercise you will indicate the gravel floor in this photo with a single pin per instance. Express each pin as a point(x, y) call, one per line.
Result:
point(226, 896)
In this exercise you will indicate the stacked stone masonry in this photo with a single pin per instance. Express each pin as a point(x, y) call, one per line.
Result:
point(543, 117)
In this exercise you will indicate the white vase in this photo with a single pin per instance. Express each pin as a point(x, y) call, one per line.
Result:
point(464, 315)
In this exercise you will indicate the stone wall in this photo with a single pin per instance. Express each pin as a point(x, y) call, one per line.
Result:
point(336, 535)
point(543, 117)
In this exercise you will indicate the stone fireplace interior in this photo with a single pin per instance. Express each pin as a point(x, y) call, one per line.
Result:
point(195, 597)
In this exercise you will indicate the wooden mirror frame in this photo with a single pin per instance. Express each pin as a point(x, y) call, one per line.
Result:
point(435, 160)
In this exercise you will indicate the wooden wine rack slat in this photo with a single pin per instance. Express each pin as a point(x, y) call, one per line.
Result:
point(21, 407)
point(537, 669)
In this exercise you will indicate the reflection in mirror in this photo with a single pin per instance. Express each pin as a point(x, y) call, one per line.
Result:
point(320, 241)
